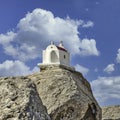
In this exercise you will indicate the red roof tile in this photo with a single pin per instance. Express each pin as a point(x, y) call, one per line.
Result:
point(60, 48)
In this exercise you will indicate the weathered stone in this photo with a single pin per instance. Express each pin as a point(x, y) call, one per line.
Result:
point(19, 100)
point(66, 94)
point(111, 113)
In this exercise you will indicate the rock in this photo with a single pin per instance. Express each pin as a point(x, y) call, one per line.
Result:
point(19, 100)
point(111, 113)
point(66, 94)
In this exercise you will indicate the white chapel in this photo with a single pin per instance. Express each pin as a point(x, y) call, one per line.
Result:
point(56, 55)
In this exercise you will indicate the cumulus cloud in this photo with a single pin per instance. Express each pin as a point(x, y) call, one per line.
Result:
point(118, 56)
point(81, 69)
point(15, 68)
point(110, 68)
point(88, 47)
point(38, 28)
point(106, 89)
point(7, 38)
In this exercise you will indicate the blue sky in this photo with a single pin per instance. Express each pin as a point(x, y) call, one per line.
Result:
point(90, 30)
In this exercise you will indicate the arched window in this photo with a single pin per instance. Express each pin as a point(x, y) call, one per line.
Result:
point(54, 57)
point(64, 56)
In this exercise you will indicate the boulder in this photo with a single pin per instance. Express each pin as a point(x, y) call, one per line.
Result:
point(66, 93)
point(111, 113)
point(19, 100)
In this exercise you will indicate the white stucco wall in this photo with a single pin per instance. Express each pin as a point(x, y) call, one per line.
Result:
point(53, 55)
point(64, 57)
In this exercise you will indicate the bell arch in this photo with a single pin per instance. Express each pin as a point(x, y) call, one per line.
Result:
point(54, 57)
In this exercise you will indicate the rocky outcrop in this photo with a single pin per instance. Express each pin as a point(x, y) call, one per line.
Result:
point(19, 100)
point(111, 113)
point(66, 94)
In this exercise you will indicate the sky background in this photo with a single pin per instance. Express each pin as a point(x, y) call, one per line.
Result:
point(89, 29)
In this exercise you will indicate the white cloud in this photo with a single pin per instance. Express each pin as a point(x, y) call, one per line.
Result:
point(81, 69)
point(118, 56)
point(106, 89)
point(15, 68)
point(88, 47)
point(38, 28)
point(97, 3)
point(110, 68)
point(87, 9)
point(7, 38)
point(88, 24)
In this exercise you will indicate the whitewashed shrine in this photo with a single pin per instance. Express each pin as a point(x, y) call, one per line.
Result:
point(56, 55)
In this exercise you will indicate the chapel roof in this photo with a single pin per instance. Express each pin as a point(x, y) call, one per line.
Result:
point(61, 48)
